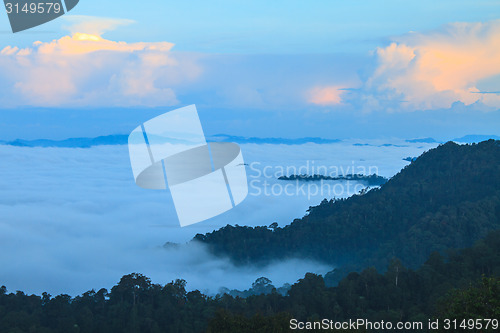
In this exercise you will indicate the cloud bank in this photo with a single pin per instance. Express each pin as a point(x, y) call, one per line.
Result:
point(426, 71)
point(416, 71)
point(438, 68)
point(74, 218)
point(87, 70)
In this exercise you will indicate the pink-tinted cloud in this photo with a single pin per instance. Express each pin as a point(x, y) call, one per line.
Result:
point(436, 69)
point(82, 43)
point(88, 70)
point(329, 95)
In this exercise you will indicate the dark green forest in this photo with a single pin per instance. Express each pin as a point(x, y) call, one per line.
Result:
point(370, 180)
point(447, 198)
point(426, 245)
point(464, 284)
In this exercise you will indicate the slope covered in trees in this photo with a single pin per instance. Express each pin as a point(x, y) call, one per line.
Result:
point(462, 285)
point(447, 198)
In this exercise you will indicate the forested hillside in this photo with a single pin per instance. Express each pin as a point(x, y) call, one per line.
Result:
point(135, 304)
point(447, 198)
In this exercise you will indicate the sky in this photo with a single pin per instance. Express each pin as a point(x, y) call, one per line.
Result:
point(335, 69)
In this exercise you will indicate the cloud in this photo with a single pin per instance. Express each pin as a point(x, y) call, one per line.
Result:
point(87, 70)
point(435, 69)
point(330, 95)
point(93, 25)
point(416, 71)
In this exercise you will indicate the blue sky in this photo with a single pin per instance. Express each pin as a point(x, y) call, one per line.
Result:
point(280, 26)
point(318, 68)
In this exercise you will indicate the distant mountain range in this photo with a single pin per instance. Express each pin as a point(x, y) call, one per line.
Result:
point(473, 138)
point(275, 141)
point(122, 139)
point(72, 142)
point(382, 145)
point(423, 140)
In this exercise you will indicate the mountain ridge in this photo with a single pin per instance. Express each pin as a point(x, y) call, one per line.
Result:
point(122, 139)
point(423, 208)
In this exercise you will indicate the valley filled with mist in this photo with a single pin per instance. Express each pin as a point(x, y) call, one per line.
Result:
point(79, 211)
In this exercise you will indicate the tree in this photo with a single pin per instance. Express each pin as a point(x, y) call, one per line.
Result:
point(476, 302)
point(130, 288)
point(262, 286)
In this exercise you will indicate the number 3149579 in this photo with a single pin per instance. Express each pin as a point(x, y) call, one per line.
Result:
point(33, 8)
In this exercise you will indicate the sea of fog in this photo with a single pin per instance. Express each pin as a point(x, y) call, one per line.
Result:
point(72, 219)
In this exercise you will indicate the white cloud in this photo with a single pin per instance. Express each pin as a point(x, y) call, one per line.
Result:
point(88, 70)
point(93, 24)
point(330, 95)
point(435, 69)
